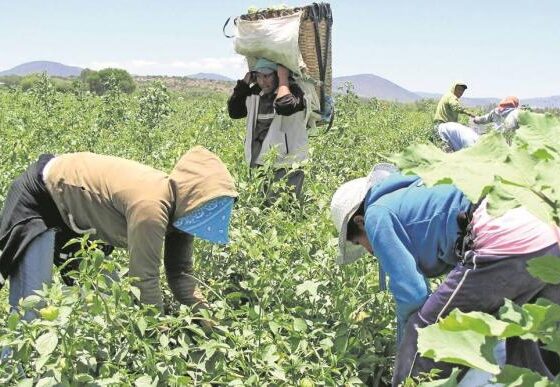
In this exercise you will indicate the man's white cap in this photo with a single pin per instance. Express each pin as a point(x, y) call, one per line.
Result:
point(346, 201)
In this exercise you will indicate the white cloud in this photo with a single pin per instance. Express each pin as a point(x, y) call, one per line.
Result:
point(103, 65)
point(232, 66)
point(143, 63)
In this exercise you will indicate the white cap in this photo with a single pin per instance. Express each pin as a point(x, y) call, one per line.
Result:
point(346, 201)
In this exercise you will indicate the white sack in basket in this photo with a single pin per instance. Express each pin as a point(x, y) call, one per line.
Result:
point(275, 39)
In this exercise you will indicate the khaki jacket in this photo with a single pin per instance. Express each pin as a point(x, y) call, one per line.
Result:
point(133, 206)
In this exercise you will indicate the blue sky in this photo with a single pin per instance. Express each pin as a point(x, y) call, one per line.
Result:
point(497, 47)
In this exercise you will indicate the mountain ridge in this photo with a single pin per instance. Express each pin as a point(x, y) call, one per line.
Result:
point(364, 85)
point(40, 66)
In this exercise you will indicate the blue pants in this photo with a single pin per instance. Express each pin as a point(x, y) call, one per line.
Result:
point(457, 136)
point(34, 270)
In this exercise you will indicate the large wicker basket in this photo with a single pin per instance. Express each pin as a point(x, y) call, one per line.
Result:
point(314, 41)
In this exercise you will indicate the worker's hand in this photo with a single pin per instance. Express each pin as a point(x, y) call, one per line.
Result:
point(249, 77)
point(283, 74)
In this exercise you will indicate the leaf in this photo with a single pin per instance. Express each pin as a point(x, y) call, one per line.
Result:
point(341, 341)
point(13, 320)
point(25, 383)
point(479, 322)
point(533, 318)
point(300, 325)
point(515, 376)
point(136, 292)
point(46, 343)
point(84, 378)
point(143, 381)
point(326, 344)
point(269, 354)
point(164, 341)
point(41, 361)
point(546, 269)
point(468, 168)
point(309, 287)
point(553, 344)
point(543, 314)
point(274, 327)
point(142, 325)
point(451, 381)
point(46, 382)
point(468, 348)
point(540, 132)
point(29, 302)
point(524, 174)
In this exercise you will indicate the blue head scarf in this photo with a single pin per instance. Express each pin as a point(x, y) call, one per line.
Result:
point(210, 221)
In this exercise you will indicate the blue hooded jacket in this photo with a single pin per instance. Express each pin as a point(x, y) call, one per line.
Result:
point(412, 230)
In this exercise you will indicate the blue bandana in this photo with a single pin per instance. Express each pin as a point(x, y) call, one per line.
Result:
point(210, 221)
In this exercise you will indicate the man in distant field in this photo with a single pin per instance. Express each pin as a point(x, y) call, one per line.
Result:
point(455, 135)
point(276, 113)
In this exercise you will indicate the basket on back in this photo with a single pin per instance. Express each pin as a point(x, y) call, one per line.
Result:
point(298, 38)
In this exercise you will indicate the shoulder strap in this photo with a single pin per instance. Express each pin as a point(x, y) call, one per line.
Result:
point(225, 25)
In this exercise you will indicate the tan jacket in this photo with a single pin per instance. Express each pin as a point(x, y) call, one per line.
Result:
point(131, 205)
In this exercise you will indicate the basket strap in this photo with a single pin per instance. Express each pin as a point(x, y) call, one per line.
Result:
point(314, 17)
point(225, 25)
point(318, 12)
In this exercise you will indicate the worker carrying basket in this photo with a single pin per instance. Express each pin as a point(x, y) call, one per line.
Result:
point(297, 38)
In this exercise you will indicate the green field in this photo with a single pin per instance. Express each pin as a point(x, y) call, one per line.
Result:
point(285, 312)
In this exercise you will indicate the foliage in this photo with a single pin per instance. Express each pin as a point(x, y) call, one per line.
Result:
point(523, 174)
point(30, 81)
point(99, 82)
point(285, 312)
point(155, 105)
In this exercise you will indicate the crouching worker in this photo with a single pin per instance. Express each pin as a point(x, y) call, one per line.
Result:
point(505, 116)
point(413, 230)
point(123, 203)
point(456, 136)
point(275, 109)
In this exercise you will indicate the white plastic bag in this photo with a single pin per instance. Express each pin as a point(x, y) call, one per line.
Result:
point(275, 39)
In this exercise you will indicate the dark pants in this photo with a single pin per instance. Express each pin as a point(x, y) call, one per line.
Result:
point(480, 284)
point(293, 180)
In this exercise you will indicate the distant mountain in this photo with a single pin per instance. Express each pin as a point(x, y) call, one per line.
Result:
point(539, 102)
point(465, 100)
point(369, 85)
point(210, 77)
point(51, 68)
point(543, 102)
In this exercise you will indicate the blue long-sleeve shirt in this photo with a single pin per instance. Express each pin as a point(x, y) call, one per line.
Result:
point(412, 230)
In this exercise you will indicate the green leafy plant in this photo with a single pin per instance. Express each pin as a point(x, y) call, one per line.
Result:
point(525, 174)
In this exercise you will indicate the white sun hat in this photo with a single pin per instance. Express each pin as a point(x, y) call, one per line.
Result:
point(346, 201)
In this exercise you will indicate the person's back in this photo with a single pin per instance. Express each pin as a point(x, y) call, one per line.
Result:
point(398, 220)
point(97, 193)
point(122, 202)
point(505, 116)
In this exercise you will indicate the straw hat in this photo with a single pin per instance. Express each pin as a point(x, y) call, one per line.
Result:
point(346, 201)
